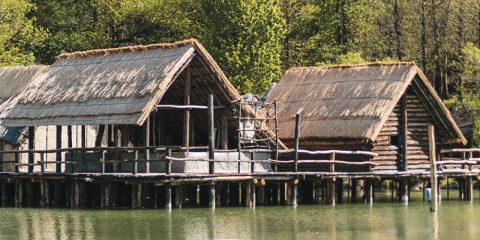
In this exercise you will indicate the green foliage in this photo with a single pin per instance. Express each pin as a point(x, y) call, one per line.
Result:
point(471, 60)
point(350, 58)
point(245, 37)
point(18, 35)
point(476, 133)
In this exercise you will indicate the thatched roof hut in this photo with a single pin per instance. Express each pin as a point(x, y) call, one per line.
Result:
point(353, 102)
point(12, 81)
point(122, 86)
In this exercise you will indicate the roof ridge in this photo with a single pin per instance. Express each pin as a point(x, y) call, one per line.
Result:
point(135, 48)
point(379, 63)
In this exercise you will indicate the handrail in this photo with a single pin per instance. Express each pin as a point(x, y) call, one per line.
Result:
point(367, 153)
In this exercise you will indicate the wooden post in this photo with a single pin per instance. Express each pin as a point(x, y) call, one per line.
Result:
point(135, 163)
point(354, 190)
point(211, 135)
point(168, 195)
point(239, 135)
point(77, 194)
point(139, 195)
point(168, 162)
point(4, 194)
point(179, 196)
point(368, 191)
point(470, 188)
point(339, 189)
point(31, 147)
point(433, 167)
point(295, 193)
point(83, 136)
point(404, 132)
point(404, 190)
point(186, 114)
point(252, 195)
point(42, 193)
point(58, 166)
point(133, 196)
point(70, 145)
point(297, 138)
point(18, 194)
point(275, 169)
point(212, 195)
point(147, 144)
point(224, 131)
point(102, 195)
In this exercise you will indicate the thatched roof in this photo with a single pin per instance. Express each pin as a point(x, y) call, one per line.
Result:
point(12, 81)
point(351, 102)
point(108, 86)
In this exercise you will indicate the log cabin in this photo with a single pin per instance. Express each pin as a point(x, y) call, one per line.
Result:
point(384, 108)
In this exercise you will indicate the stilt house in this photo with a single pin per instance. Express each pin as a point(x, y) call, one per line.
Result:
point(383, 108)
point(140, 96)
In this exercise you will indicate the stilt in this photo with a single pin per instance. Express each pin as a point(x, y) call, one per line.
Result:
point(77, 194)
point(331, 183)
point(404, 190)
point(353, 189)
point(295, 193)
point(42, 193)
point(339, 189)
point(368, 191)
point(18, 194)
point(448, 189)
point(102, 195)
point(4, 194)
point(212, 195)
point(179, 196)
point(107, 192)
point(168, 196)
point(460, 189)
point(72, 194)
point(29, 192)
point(433, 167)
point(470, 189)
point(140, 195)
point(134, 196)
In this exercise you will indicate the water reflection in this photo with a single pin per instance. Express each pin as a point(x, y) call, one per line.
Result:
point(455, 220)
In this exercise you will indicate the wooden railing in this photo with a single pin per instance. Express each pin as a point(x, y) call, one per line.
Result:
point(463, 157)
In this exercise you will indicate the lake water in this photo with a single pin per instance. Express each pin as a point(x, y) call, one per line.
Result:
point(455, 220)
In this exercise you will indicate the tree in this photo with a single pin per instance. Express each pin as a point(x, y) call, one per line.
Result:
point(18, 36)
point(245, 37)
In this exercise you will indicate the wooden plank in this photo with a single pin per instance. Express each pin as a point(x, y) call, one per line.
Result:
point(186, 113)
point(433, 167)
point(211, 134)
point(31, 146)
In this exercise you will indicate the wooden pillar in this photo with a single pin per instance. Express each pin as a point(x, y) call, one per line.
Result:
point(224, 132)
point(58, 166)
point(469, 189)
point(77, 194)
point(404, 190)
point(298, 119)
point(433, 167)
point(147, 144)
point(4, 194)
point(18, 194)
point(42, 193)
point(354, 190)
point(295, 193)
point(168, 195)
point(31, 146)
point(252, 194)
point(211, 135)
point(83, 136)
point(212, 195)
point(368, 191)
point(339, 189)
point(186, 114)
point(29, 193)
point(102, 195)
point(179, 196)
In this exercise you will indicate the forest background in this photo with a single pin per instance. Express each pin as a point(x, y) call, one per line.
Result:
point(255, 41)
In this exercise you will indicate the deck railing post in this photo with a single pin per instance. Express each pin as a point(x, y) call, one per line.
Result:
point(58, 153)
point(239, 134)
point(103, 152)
point(168, 162)
point(31, 146)
point(135, 163)
point(211, 135)
point(42, 162)
point(297, 138)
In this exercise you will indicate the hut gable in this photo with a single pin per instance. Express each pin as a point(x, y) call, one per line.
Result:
point(352, 102)
point(108, 86)
point(12, 81)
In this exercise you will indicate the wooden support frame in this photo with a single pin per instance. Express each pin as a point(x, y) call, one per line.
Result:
point(58, 166)
point(298, 119)
point(147, 144)
point(211, 135)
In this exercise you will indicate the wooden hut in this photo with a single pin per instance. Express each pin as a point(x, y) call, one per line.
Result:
point(385, 108)
point(154, 95)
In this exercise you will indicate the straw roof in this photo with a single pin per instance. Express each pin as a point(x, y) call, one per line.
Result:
point(12, 81)
point(108, 86)
point(351, 102)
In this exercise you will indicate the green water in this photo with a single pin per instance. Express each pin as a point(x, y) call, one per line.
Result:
point(455, 220)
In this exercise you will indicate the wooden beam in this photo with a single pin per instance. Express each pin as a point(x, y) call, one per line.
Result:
point(147, 144)
point(297, 138)
point(433, 167)
point(404, 131)
point(186, 113)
